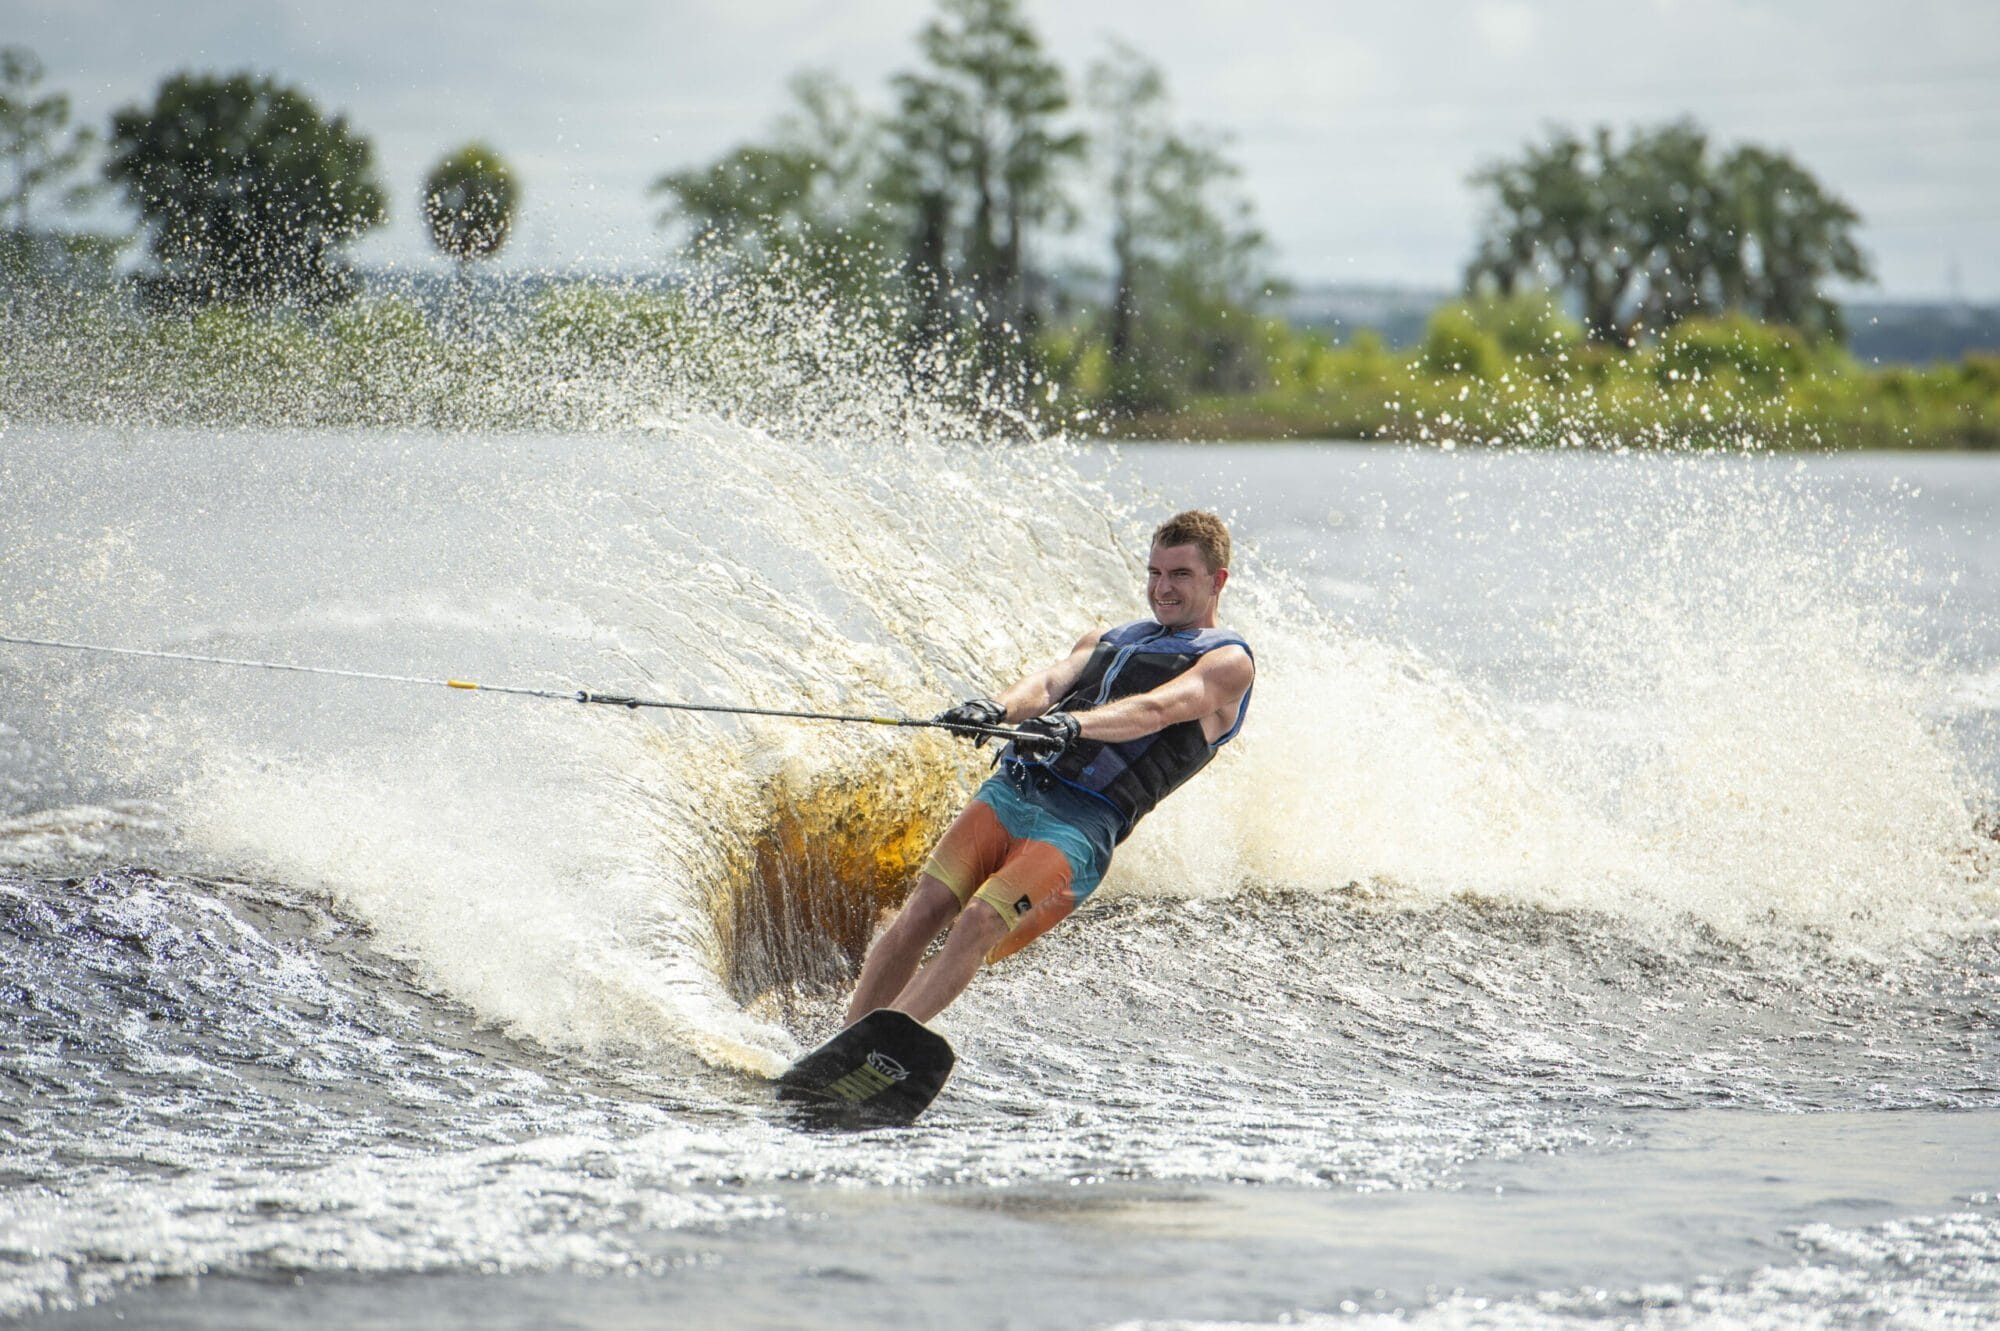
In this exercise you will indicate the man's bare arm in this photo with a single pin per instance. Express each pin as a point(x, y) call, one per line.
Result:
point(1037, 693)
point(1215, 684)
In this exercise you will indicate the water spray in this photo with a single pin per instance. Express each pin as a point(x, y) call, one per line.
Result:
point(561, 695)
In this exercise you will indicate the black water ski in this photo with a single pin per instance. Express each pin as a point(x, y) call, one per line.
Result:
point(882, 1070)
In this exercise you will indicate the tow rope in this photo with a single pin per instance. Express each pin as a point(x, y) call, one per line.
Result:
point(578, 695)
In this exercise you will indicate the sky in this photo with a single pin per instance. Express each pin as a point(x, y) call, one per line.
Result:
point(1356, 125)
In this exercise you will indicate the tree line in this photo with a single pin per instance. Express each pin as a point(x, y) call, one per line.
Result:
point(988, 209)
point(952, 210)
point(247, 193)
point(1643, 234)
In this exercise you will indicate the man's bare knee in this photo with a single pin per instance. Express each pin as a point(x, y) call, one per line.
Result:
point(928, 909)
point(977, 928)
point(980, 924)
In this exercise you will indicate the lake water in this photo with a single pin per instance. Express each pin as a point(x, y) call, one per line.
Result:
point(1594, 925)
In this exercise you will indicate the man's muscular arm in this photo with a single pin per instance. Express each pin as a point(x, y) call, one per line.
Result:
point(1215, 684)
point(1037, 693)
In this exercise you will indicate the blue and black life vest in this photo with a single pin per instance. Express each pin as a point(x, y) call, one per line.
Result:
point(1134, 775)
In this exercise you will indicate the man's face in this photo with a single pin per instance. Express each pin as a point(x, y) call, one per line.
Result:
point(1179, 586)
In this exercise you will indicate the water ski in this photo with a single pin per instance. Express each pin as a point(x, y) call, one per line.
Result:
point(882, 1070)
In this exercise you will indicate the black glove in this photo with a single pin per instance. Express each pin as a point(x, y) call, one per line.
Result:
point(1043, 739)
point(972, 712)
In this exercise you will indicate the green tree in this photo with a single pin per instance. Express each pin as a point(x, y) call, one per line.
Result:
point(1128, 96)
point(43, 270)
point(1662, 192)
point(1188, 261)
point(751, 199)
point(805, 194)
point(1546, 224)
point(1790, 238)
point(37, 146)
point(248, 192)
point(1651, 232)
point(469, 199)
point(936, 206)
point(979, 154)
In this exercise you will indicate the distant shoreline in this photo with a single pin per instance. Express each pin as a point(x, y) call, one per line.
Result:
point(588, 358)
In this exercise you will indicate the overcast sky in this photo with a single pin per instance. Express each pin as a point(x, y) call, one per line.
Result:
point(1356, 124)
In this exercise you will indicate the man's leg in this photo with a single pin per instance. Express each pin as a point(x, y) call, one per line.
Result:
point(978, 927)
point(893, 959)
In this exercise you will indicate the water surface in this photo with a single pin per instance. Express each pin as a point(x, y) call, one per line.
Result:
point(1594, 923)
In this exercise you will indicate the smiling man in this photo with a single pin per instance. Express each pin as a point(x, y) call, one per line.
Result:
point(1106, 734)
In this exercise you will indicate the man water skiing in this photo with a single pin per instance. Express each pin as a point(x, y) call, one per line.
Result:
point(1106, 734)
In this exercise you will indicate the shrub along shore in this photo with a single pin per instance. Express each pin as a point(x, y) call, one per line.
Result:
point(1489, 374)
point(1493, 372)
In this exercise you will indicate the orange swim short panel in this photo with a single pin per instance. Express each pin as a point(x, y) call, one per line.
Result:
point(1030, 851)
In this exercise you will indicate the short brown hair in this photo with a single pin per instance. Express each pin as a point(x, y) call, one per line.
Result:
point(1202, 530)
